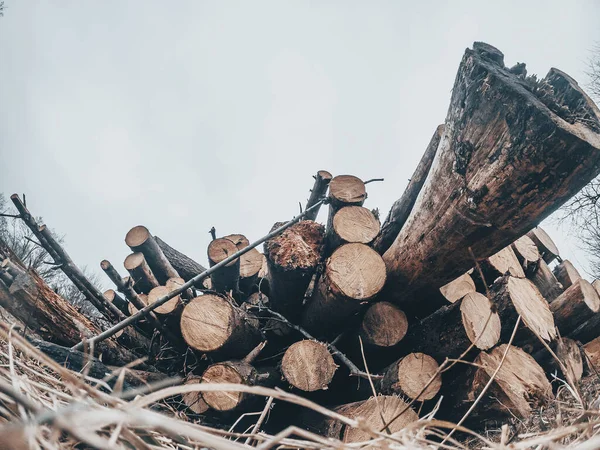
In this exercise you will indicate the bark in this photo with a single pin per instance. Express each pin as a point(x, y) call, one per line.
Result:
point(212, 323)
point(514, 297)
point(292, 259)
point(353, 275)
point(141, 273)
point(383, 325)
point(511, 154)
point(592, 354)
point(352, 224)
point(318, 192)
point(415, 376)
point(345, 190)
point(587, 331)
point(457, 289)
point(139, 239)
point(308, 366)
point(227, 279)
point(527, 253)
point(451, 330)
point(402, 207)
point(118, 301)
point(566, 273)
point(10, 267)
point(569, 354)
point(518, 389)
point(546, 282)
point(545, 244)
point(576, 305)
point(185, 266)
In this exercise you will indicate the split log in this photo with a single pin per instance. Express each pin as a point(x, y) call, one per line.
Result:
point(32, 301)
point(212, 323)
point(354, 274)
point(307, 365)
point(527, 253)
point(118, 301)
point(566, 273)
point(194, 400)
point(415, 376)
point(402, 208)
point(318, 192)
point(235, 372)
point(173, 306)
point(569, 355)
point(374, 414)
point(511, 154)
point(352, 224)
point(185, 266)
point(519, 387)
point(451, 330)
point(143, 278)
point(226, 279)
point(546, 282)
point(514, 297)
point(384, 325)
point(575, 306)
point(139, 239)
point(545, 244)
point(457, 289)
point(292, 259)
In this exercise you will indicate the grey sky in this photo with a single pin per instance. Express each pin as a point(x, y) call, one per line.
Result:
point(186, 115)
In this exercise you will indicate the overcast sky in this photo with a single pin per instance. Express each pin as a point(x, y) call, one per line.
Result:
point(185, 115)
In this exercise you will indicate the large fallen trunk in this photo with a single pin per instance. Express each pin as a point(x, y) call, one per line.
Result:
point(402, 207)
point(308, 366)
point(354, 274)
point(292, 259)
point(139, 239)
point(185, 266)
point(519, 387)
point(576, 305)
point(512, 152)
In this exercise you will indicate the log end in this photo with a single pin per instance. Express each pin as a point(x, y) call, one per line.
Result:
point(166, 308)
point(418, 377)
point(227, 374)
point(206, 322)
point(532, 307)
point(297, 248)
point(134, 260)
point(480, 320)
point(383, 325)
point(137, 236)
point(347, 190)
point(194, 400)
point(457, 289)
point(221, 249)
point(307, 365)
point(356, 224)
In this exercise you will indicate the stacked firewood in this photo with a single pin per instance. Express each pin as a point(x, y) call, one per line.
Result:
point(458, 273)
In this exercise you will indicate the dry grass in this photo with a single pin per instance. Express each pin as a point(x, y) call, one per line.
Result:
point(45, 406)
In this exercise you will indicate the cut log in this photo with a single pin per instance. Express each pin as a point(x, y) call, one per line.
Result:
point(292, 259)
point(546, 282)
point(402, 207)
point(352, 224)
point(596, 284)
point(140, 272)
point(354, 274)
point(575, 306)
point(415, 376)
point(307, 365)
point(519, 387)
point(545, 244)
point(185, 266)
point(250, 265)
point(566, 273)
point(527, 253)
point(139, 239)
point(383, 325)
point(511, 154)
point(118, 301)
point(514, 297)
point(212, 323)
point(194, 400)
point(587, 331)
point(569, 354)
point(318, 192)
point(592, 354)
point(457, 289)
point(374, 414)
point(239, 240)
point(501, 263)
point(451, 330)
point(227, 279)
point(173, 306)
point(235, 372)
point(176, 283)
point(346, 190)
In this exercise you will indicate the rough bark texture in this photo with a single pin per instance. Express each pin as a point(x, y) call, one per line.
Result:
point(546, 282)
point(185, 266)
point(318, 192)
point(383, 325)
point(576, 305)
point(527, 253)
point(402, 208)
point(545, 244)
point(512, 152)
point(292, 259)
point(212, 323)
point(354, 274)
point(566, 273)
point(140, 272)
point(587, 331)
point(308, 366)
point(117, 300)
point(139, 239)
point(414, 376)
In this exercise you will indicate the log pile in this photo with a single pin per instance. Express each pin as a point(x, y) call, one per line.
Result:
point(458, 272)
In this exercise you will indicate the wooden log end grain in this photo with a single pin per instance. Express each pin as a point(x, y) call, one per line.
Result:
point(505, 262)
point(355, 224)
point(137, 236)
point(480, 320)
point(307, 365)
point(457, 289)
point(383, 325)
point(194, 400)
point(345, 190)
point(167, 308)
point(545, 244)
point(526, 251)
point(228, 372)
point(415, 376)
point(239, 240)
point(297, 248)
